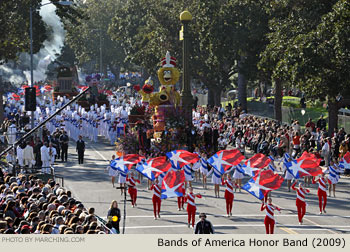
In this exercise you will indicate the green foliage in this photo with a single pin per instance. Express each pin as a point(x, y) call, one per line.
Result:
point(86, 38)
point(14, 26)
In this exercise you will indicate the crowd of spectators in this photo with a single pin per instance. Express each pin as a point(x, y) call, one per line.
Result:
point(28, 205)
point(215, 128)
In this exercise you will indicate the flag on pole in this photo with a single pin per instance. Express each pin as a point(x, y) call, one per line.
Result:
point(124, 163)
point(180, 158)
point(304, 167)
point(153, 167)
point(225, 159)
point(172, 183)
point(262, 183)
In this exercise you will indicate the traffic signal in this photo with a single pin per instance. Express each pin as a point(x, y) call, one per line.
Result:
point(30, 99)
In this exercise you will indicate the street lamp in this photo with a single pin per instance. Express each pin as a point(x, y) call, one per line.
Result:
point(186, 96)
point(31, 84)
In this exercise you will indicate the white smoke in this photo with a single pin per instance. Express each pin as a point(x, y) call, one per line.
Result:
point(51, 48)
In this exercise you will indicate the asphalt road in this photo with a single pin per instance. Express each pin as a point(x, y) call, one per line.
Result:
point(91, 184)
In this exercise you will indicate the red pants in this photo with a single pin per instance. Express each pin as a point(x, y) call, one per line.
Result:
point(301, 206)
point(322, 194)
point(269, 225)
point(156, 205)
point(133, 195)
point(229, 201)
point(180, 202)
point(191, 211)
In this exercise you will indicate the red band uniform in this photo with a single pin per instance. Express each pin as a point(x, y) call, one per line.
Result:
point(132, 189)
point(321, 192)
point(156, 199)
point(229, 196)
point(269, 218)
point(191, 206)
point(181, 199)
point(300, 201)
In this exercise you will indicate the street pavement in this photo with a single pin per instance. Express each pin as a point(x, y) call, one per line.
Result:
point(90, 183)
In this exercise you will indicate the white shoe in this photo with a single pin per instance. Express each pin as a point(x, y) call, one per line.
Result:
point(320, 213)
point(133, 206)
point(228, 216)
point(179, 209)
point(155, 218)
point(300, 223)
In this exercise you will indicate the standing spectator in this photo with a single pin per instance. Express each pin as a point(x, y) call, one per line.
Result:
point(343, 148)
point(326, 151)
point(19, 151)
point(81, 149)
point(52, 153)
point(296, 144)
point(45, 158)
point(11, 132)
point(204, 226)
point(296, 126)
point(56, 144)
point(113, 215)
point(37, 152)
point(64, 146)
point(310, 125)
point(321, 123)
point(28, 156)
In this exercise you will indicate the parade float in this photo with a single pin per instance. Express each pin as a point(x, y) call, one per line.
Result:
point(165, 102)
point(65, 85)
point(158, 117)
point(96, 95)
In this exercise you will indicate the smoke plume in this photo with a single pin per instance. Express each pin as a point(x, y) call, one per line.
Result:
point(49, 52)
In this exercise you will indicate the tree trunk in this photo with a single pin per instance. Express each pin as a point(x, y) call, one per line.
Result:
point(242, 86)
point(217, 96)
point(105, 72)
point(278, 100)
point(115, 70)
point(211, 96)
point(332, 116)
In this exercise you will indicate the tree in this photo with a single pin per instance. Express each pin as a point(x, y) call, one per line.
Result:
point(146, 29)
point(90, 36)
point(14, 26)
point(319, 64)
point(289, 19)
